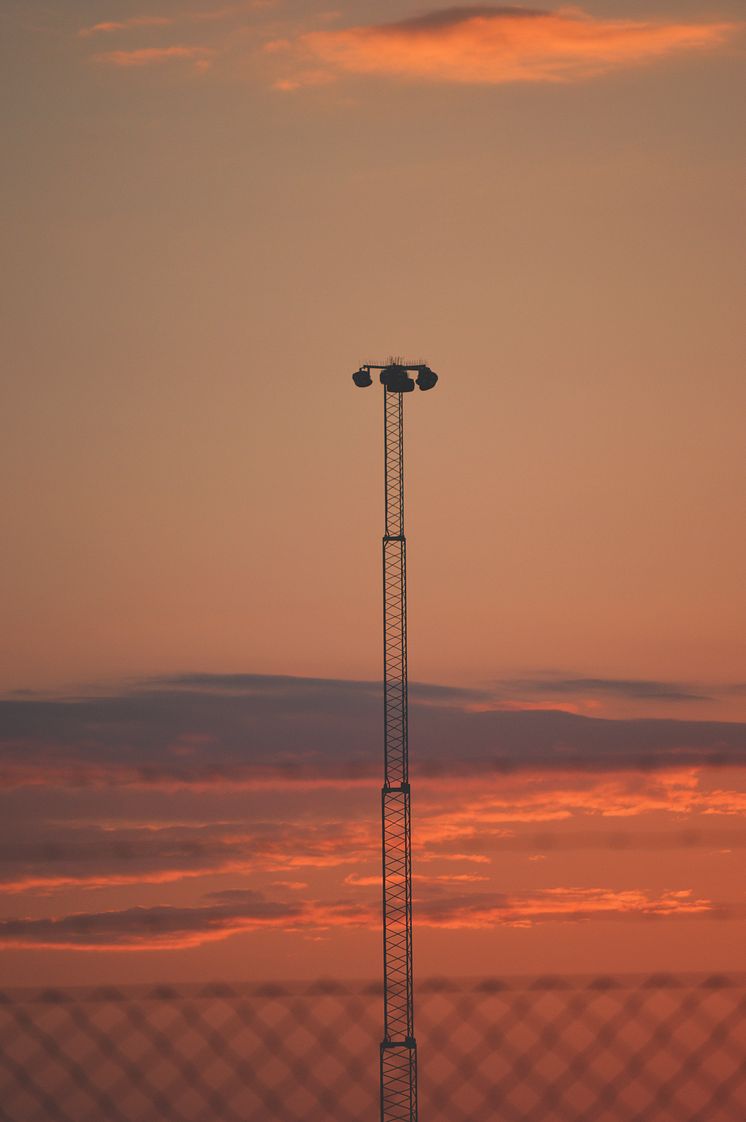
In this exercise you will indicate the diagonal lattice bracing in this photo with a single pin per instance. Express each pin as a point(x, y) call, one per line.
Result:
point(398, 1082)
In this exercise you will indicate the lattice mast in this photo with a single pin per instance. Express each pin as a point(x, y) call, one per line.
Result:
point(398, 1048)
point(398, 1053)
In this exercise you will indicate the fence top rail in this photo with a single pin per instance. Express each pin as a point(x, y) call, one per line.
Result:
point(322, 987)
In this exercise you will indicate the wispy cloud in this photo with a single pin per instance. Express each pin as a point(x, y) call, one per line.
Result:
point(159, 928)
point(539, 842)
point(554, 798)
point(42, 859)
point(552, 686)
point(236, 911)
point(132, 23)
point(562, 904)
point(199, 57)
point(145, 21)
point(146, 40)
point(492, 44)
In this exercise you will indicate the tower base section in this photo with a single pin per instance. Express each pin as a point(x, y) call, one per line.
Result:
point(399, 1081)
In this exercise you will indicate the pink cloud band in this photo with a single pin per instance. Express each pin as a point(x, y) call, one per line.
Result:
point(489, 45)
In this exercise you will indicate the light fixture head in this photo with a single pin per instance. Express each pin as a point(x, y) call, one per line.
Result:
point(362, 378)
point(396, 379)
point(426, 378)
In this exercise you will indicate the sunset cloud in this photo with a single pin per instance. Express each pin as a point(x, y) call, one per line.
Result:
point(155, 56)
point(44, 859)
point(551, 686)
point(235, 911)
point(564, 840)
point(140, 22)
point(134, 22)
point(554, 798)
point(246, 730)
point(159, 928)
point(235, 776)
point(494, 44)
point(569, 905)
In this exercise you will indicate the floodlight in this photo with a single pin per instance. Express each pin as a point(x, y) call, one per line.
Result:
point(396, 379)
point(362, 378)
point(426, 378)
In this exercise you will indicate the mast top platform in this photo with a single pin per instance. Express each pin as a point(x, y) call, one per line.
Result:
point(395, 375)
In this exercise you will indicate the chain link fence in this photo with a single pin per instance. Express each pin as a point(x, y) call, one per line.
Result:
point(657, 1049)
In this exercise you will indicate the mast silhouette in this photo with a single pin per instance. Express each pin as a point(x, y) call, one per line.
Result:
point(398, 1051)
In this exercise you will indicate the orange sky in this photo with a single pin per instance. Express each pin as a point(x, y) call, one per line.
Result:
point(214, 214)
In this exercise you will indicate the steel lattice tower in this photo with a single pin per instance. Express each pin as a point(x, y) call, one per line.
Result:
point(398, 1059)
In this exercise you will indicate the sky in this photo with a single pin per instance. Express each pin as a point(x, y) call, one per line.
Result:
point(212, 215)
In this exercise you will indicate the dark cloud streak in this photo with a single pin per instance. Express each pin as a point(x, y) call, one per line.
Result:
point(451, 17)
point(131, 927)
point(635, 689)
point(43, 856)
point(231, 912)
point(244, 729)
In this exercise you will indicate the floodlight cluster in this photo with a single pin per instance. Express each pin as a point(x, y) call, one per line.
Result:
point(398, 378)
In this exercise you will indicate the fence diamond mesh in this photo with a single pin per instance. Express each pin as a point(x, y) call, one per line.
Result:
point(658, 1049)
